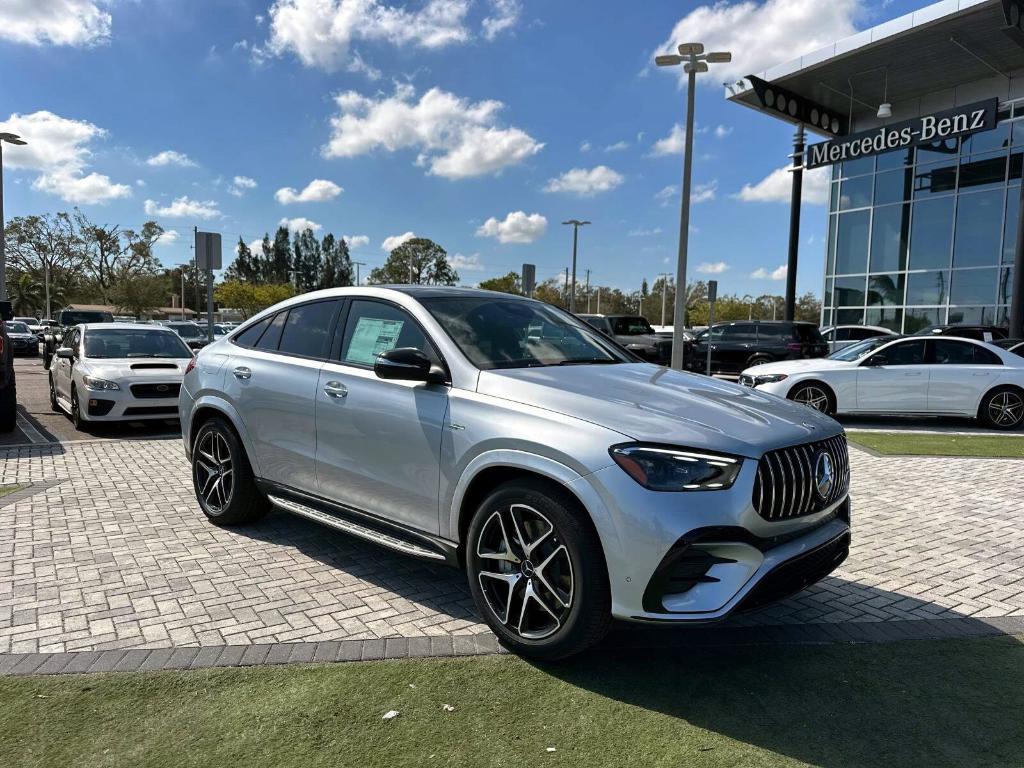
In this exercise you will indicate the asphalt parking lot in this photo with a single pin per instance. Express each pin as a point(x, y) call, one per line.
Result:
point(107, 550)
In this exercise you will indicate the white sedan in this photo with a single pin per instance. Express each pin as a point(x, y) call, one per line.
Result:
point(118, 372)
point(941, 375)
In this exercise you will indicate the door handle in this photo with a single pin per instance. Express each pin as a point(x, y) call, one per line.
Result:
point(241, 372)
point(335, 389)
point(912, 373)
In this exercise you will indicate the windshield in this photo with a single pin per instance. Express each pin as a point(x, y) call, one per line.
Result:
point(861, 348)
point(14, 327)
point(631, 326)
point(128, 342)
point(509, 333)
point(187, 331)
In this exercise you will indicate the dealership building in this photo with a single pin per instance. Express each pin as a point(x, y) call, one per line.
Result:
point(919, 123)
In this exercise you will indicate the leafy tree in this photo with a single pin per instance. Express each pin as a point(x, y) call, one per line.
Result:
point(250, 298)
point(46, 245)
point(337, 264)
point(25, 292)
point(308, 261)
point(112, 254)
point(510, 283)
point(139, 295)
point(420, 261)
point(242, 268)
point(550, 291)
point(280, 258)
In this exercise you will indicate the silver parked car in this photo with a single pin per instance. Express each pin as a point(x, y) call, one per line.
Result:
point(502, 435)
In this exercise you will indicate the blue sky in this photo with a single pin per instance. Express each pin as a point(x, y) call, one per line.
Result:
point(481, 124)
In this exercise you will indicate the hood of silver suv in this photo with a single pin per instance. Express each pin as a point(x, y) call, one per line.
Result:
point(654, 404)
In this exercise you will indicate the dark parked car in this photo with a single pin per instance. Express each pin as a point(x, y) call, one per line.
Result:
point(191, 333)
point(21, 338)
point(977, 332)
point(635, 334)
point(739, 345)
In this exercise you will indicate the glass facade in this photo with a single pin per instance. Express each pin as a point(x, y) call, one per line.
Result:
point(926, 235)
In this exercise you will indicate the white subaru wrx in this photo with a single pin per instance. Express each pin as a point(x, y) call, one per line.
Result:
point(122, 372)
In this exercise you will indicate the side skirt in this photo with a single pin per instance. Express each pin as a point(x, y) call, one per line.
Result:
point(362, 525)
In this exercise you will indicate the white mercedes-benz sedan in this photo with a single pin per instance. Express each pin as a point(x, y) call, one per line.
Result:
point(938, 376)
point(118, 372)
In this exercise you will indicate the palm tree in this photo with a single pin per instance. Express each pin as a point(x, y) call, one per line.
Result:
point(26, 294)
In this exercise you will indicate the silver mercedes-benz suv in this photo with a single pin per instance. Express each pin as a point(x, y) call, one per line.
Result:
point(573, 482)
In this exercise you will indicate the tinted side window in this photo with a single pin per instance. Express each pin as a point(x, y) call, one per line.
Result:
point(741, 332)
point(272, 337)
point(907, 353)
point(374, 327)
point(251, 335)
point(846, 334)
point(950, 352)
point(774, 332)
point(808, 334)
point(305, 332)
point(863, 333)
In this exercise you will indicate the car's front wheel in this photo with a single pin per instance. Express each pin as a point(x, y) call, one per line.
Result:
point(537, 571)
point(54, 405)
point(79, 423)
point(814, 395)
point(223, 479)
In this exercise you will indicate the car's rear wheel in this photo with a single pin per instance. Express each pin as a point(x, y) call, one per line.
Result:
point(54, 405)
point(758, 360)
point(537, 571)
point(814, 395)
point(222, 476)
point(1002, 409)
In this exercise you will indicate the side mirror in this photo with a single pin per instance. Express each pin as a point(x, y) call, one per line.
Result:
point(876, 361)
point(66, 353)
point(407, 364)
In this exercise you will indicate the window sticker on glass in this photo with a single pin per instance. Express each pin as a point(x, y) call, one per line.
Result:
point(371, 338)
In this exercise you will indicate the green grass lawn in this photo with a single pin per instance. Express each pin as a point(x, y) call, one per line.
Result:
point(919, 444)
point(916, 703)
point(6, 490)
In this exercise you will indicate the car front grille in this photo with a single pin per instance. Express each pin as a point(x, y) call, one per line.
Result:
point(155, 391)
point(786, 485)
point(151, 410)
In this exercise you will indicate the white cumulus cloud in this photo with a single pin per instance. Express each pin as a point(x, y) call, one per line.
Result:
point(355, 242)
point(183, 207)
point(317, 191)
point(585, 182)
point(169, 237)
point(516, 227)
point(760, 35)
point(779, 273)
point(240, 184)
point(455, 138)
point(504, 15)
point(702, 193)
point(390, 243)
point(59, 151)
point(712, 267)
point(299, 224)
point(776, 187)
point(170, 157)
point(470, 263)
point(54, 22)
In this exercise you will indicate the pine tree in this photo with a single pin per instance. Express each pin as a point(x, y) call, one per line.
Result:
point(280, 258)
point(308, 261)
point(242, 267)
point(344, 275)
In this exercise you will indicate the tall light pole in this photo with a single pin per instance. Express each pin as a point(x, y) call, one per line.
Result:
point(576, 224)
point(664, 291)
point(588, 291)
point(16, 140)
point(694, 60)
point(357, 265)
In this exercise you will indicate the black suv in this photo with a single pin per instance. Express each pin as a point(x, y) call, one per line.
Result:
point(635, 334)
point(977, 332)
point(736, 346)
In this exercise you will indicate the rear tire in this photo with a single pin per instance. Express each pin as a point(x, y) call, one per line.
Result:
point(758, 360)
point(223, 478)
point(1002, 409)
point(54, 405)
point(814, 395)
point(537, 571)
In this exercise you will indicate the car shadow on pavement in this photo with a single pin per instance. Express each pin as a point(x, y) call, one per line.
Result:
point(928, 703)
point(433, 587)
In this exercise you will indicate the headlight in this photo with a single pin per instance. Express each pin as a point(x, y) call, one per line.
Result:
point(99, 384)
point(769, 378)
point(660, 468)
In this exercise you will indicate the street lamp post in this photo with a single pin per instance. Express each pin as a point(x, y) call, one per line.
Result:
point(576, 224)
point(664, 290)
point(694, 60)
point(357, 265)
point(16, 140)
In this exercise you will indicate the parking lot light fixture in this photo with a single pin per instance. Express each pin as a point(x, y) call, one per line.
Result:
point(576, 224)
point(694, 60)
point(16, 140)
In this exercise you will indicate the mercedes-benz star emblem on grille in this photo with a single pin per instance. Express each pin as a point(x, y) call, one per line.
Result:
point(824, 475)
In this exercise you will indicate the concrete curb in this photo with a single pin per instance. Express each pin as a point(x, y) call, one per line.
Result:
point(448, 646)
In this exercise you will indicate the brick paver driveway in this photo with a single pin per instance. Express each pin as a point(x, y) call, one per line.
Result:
point(106, 548)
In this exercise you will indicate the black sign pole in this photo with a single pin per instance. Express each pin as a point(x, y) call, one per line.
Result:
point(1017, 291)
point(794, 221)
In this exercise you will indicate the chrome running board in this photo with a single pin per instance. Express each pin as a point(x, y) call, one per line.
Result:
point(355, 529)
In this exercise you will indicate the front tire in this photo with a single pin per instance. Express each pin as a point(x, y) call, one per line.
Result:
point(222, 477)
point(77, 421)
point(54, 405)
point(1002, 409)
point(814, 395)
point(537, 571)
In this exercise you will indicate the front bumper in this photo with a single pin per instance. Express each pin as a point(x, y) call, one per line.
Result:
point(700, 556)
point(120, 405)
